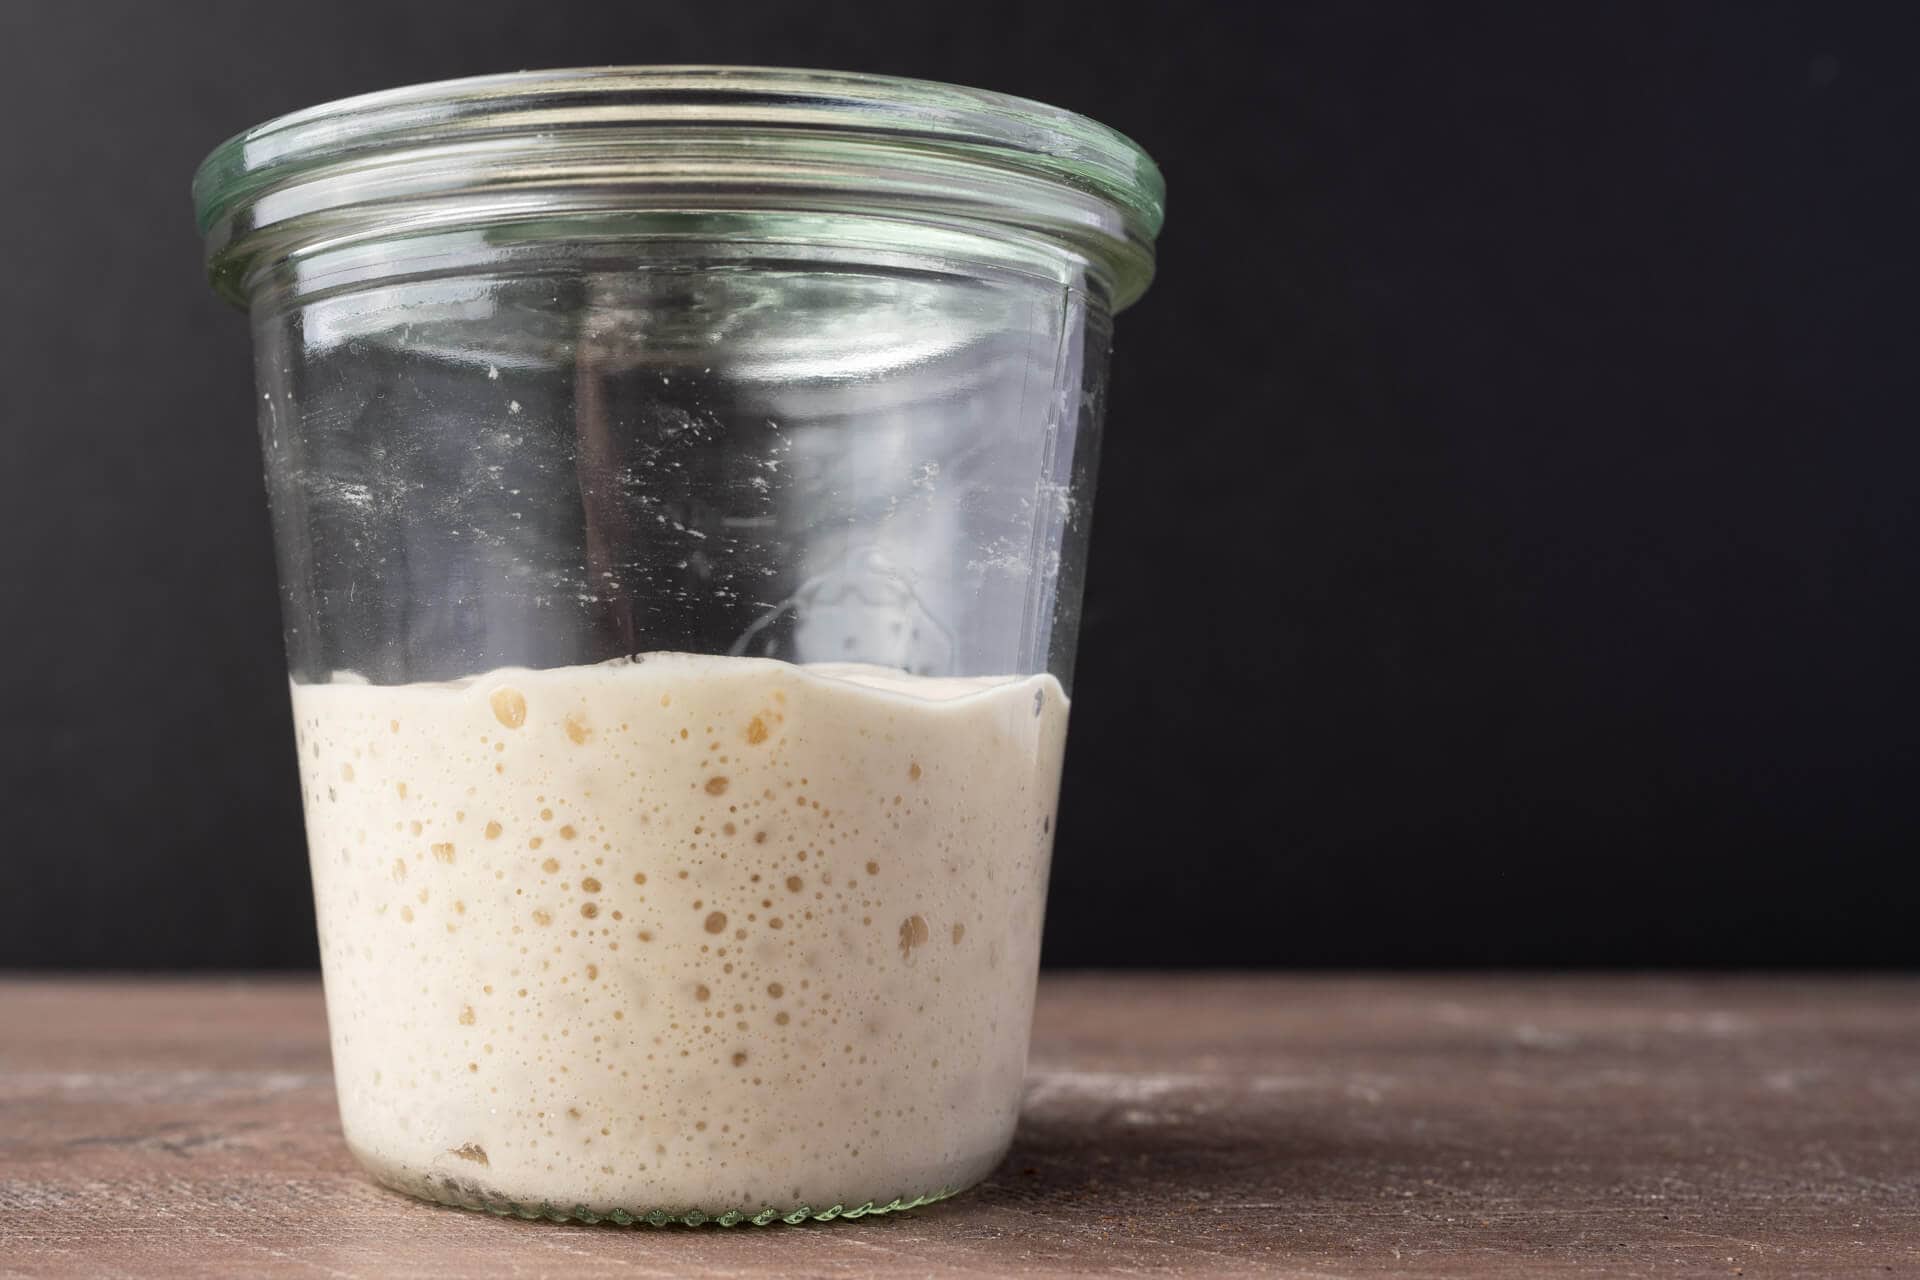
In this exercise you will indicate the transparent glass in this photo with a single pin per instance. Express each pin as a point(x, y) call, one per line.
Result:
point(680, 610)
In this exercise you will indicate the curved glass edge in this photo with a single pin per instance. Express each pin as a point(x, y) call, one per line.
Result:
point(677, 137)
point(741, 97)
point(764, 1216)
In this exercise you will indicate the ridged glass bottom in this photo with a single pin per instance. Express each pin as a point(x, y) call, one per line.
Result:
point(460, 1195)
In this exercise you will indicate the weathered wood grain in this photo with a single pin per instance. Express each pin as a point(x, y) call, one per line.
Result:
point(1174, 1126)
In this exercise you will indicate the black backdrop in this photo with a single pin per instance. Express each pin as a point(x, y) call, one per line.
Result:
point(1506, 547)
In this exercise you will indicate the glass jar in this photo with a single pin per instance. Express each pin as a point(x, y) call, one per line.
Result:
point(680, 483)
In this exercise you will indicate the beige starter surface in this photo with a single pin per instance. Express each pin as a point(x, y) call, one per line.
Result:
point(680, 933)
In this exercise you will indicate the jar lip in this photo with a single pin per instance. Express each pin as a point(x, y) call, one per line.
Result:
point(985, 156)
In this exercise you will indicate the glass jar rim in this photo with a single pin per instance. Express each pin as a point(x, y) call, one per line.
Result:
point(683, 138)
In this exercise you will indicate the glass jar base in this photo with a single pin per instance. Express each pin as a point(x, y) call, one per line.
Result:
point(459, 1194)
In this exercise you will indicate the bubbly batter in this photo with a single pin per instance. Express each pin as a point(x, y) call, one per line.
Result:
point(680, 932)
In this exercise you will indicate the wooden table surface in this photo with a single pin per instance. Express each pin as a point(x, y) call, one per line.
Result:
point(1221, 1125)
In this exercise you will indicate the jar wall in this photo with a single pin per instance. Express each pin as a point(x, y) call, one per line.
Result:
point(807, 455)
point(698, 367)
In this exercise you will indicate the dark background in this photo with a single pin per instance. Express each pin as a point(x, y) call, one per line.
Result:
point(1506, 549)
